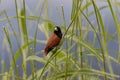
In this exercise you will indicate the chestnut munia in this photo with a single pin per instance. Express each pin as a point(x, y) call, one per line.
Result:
point(53, 41)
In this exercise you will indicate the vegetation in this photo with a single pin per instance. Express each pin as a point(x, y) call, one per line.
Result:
point(84, 52)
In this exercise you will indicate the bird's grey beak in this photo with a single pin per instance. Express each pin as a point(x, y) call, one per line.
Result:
point(56, 29)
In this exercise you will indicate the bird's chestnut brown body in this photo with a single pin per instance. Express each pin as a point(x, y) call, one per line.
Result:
point(53, 41)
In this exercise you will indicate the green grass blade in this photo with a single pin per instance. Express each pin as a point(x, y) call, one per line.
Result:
point(12, 53)
point(86, 71)
point(116, 24)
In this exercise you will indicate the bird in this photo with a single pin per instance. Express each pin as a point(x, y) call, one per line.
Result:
point(53, 40)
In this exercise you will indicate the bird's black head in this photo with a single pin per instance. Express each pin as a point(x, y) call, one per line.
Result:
point(58, 32)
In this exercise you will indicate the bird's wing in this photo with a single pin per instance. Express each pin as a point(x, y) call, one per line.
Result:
point(53, 41)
